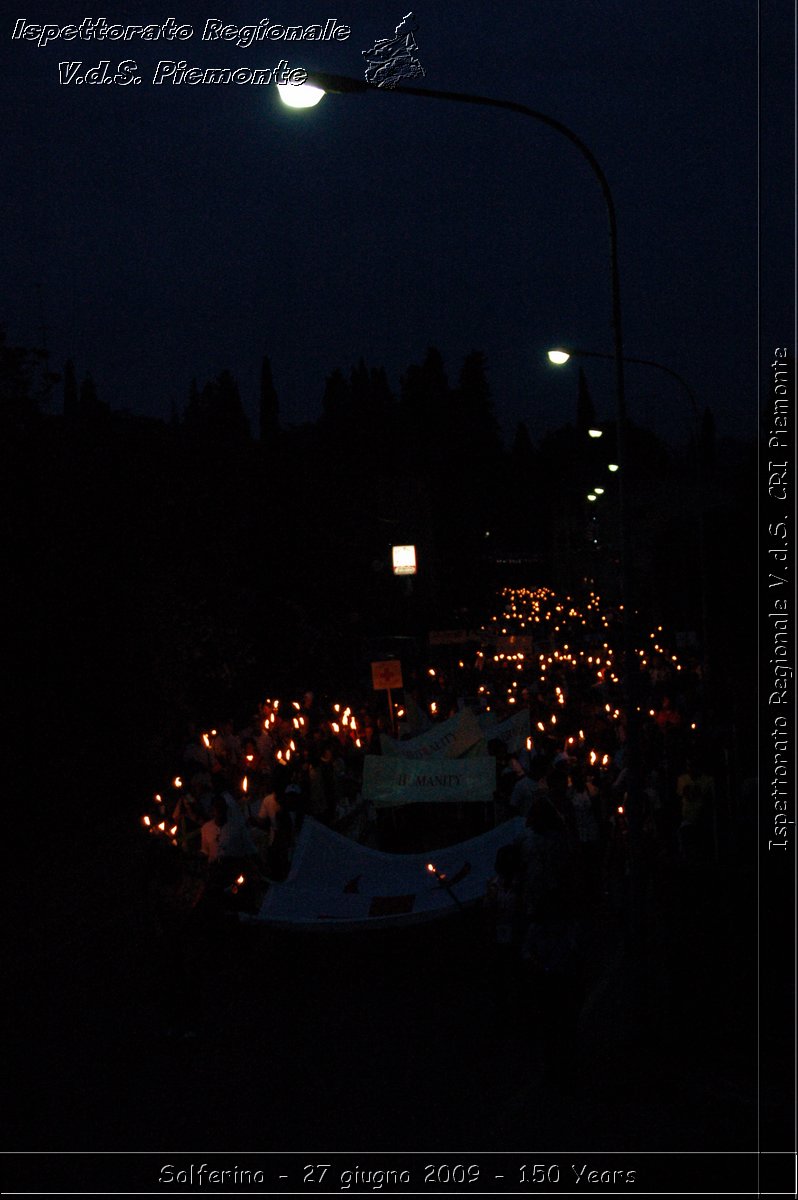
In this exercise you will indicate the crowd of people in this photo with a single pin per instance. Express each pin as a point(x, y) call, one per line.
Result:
point(242, 793)
point(598, 819)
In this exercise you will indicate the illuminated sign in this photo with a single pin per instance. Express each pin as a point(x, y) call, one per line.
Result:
point(404, 560)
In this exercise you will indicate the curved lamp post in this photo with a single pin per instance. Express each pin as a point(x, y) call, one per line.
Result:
point(318, 84)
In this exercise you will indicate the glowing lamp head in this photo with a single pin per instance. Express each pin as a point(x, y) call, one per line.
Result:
point(240, 880)
point(612, 467)
point(558, 357)
point(595, 433)
point(592, 496)
point(301, 95)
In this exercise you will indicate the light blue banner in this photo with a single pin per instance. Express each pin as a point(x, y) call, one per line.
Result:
point(450, 739)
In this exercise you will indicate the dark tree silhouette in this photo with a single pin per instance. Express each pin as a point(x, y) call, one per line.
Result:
point(91, 409)
point(25, 384)
point(268, 408)
point(216, 415)
point(70, 391)
point(425, 410)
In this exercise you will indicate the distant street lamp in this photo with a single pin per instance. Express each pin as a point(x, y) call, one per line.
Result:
point(560, 356)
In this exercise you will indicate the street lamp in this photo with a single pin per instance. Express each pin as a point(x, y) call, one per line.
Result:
point(560, 356)
point(346, 85)
point(303, 95)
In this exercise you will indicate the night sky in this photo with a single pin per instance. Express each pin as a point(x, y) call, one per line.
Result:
point(164, 233)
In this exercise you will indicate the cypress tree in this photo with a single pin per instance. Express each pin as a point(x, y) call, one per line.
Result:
point(268, 407)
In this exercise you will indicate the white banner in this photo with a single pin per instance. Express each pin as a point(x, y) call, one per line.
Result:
point(513, 731)
point(337, 884)
point(389, 782)
point(450, 739)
